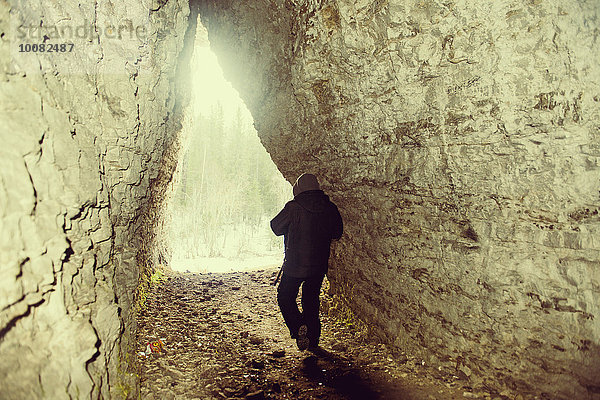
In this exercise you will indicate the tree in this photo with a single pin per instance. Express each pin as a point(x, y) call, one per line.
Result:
point(229, 186)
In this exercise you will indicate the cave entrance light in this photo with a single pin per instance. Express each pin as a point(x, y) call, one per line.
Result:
point(227, 188)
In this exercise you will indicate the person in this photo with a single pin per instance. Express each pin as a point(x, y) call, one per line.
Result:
point(308, 223)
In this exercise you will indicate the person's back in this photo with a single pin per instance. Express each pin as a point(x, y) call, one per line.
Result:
point(309, 222)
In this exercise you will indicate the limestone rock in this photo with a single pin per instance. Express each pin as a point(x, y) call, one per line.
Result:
point(460, 140)
point(85, 157)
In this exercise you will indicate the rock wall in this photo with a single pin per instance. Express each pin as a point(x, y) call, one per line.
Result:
point(461, 141)
point(89, 143)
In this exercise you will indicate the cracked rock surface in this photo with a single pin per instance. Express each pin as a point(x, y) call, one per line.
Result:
point(88, 139)
point(460, 141)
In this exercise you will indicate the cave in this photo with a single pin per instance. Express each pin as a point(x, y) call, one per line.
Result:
point(460, 141)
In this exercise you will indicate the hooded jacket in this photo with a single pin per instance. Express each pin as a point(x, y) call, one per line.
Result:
point(308, 223)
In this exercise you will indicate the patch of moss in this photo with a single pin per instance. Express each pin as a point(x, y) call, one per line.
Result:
point(337, 305)
point(126, 381)
point(146, 283)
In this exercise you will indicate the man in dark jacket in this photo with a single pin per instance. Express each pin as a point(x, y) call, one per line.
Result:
point(309, 222)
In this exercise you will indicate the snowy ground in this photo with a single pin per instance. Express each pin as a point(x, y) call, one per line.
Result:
point(224, 264)
point(247, 249)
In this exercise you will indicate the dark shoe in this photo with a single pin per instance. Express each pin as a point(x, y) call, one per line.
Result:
point(320, 352)
point(302, 341)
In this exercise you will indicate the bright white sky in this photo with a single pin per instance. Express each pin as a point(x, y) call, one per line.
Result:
point(210, 86)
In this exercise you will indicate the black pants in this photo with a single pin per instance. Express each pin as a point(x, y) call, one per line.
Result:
point(286, 297)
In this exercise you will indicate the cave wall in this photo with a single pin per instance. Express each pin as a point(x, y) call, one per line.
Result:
point(461, 141)
point(89, 143)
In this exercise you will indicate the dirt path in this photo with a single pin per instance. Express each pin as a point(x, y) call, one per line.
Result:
point(225, 339)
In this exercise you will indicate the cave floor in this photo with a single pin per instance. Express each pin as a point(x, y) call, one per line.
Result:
point(224, 338)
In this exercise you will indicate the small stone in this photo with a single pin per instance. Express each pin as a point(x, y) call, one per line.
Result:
point(256, 340)
point(470, 395)
point(465, 370)
point(339, 347)
point(278, 353)
point(258, 395)
point(402, 359)
point(174, 373)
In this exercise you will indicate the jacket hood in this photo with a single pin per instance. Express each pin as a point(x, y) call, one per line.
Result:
point(314, 201)
point(304, 183)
